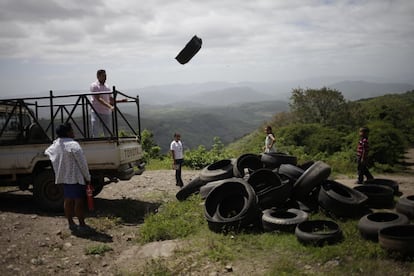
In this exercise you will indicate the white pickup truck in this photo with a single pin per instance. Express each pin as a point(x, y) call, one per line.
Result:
point(27, 128)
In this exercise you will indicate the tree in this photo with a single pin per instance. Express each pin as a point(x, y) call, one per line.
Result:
point(324, 106)
point(151, 149)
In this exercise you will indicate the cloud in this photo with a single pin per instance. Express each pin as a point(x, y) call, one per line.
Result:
point(273, 37)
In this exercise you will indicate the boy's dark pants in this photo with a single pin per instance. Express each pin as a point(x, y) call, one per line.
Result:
point(179, 181)
point(363, 171)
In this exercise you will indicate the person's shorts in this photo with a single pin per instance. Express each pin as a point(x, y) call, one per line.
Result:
point(74, 191)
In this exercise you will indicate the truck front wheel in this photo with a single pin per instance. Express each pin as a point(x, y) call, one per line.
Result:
point(46, 193)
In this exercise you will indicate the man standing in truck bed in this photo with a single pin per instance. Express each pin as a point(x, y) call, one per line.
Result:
point(101, 120)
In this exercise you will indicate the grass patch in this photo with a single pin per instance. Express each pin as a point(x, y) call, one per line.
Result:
point(99, 249)
point(267, 253)
point(173, 220)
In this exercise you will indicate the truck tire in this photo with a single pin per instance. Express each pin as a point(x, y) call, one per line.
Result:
point(250, 161)
point(339, 200)
point(46, 193)
point(379, 196)
point(397, 238)
point(219, 170)
point(405, 205)
point(282, 219)
point(314, 176)
point(318, 232)
point(193, 187)
point(370, 224)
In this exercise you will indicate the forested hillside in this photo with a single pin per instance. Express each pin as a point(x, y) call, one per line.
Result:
point(321, 124)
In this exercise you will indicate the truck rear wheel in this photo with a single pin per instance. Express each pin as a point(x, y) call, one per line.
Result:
point(46, 193)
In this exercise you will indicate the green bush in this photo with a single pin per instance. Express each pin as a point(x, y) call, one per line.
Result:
point(387, 143)
point(314, 138)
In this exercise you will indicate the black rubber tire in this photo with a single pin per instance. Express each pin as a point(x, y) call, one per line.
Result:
point(193, 187)
point(379, 196)
point(311, 178)
point(269, 188)
point(306, 165)
point(273, 160)
point(248, 161)
point(274, 196)
point(385, 182)
point(370, 224)
point(282, 219)
point(405, 205)
point(399, 238)
point(219, 170)
point(206, 189)
point(222, 207)
point(338, 200)
point(46, 193)
point(309, 232)
point(291, 171)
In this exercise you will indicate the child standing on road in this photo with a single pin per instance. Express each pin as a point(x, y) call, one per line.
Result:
point(362, 156)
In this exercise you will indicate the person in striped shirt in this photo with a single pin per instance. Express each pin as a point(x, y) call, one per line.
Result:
point(362, 156)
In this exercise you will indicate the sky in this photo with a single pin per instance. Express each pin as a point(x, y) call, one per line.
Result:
point(59, 44)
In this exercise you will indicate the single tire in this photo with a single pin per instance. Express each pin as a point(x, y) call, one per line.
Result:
point(269, 188)
point(370, 224)
point(206, 189)
point(338, 200)
point(291, 171)
point(219, 170)
point(318, 232)
point(273, 160)
point(274, 196)
point(379, 196)
point(306, 165)
point(398, 238)
point(311, 178)
point(46, 193)
point(248, 161)
point(193, 187)
point(405, 205)
point(385, 182)
point(282, 219)
point(223, 208)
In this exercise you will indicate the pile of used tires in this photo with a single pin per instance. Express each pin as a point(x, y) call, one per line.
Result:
point(271, 192)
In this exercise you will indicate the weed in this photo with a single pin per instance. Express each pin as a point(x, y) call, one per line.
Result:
point(99, 249)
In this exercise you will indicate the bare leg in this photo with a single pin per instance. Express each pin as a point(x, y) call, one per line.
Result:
point(79, 210)
point(68, 206)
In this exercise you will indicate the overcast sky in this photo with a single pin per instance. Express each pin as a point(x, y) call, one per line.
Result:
point(54, 45)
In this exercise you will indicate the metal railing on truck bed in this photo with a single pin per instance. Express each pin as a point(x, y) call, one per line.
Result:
point(34, 119)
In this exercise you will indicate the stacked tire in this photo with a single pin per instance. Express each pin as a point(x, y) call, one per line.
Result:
point(272, 193)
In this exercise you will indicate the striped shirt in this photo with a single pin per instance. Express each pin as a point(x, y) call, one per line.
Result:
point(362, 149)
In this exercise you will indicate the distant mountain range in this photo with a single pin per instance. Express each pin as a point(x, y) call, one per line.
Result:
point(223, 93)
point(230, 110)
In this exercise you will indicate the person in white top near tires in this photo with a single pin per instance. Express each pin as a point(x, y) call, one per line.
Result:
point(177, 154)
point(269, 141)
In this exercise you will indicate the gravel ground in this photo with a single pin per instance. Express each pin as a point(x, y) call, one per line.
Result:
point(34, 242)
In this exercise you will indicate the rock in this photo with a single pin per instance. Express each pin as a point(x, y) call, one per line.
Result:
point(229, 268)
point(67, 244)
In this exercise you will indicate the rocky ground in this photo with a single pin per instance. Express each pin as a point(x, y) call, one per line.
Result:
point(34, 242)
